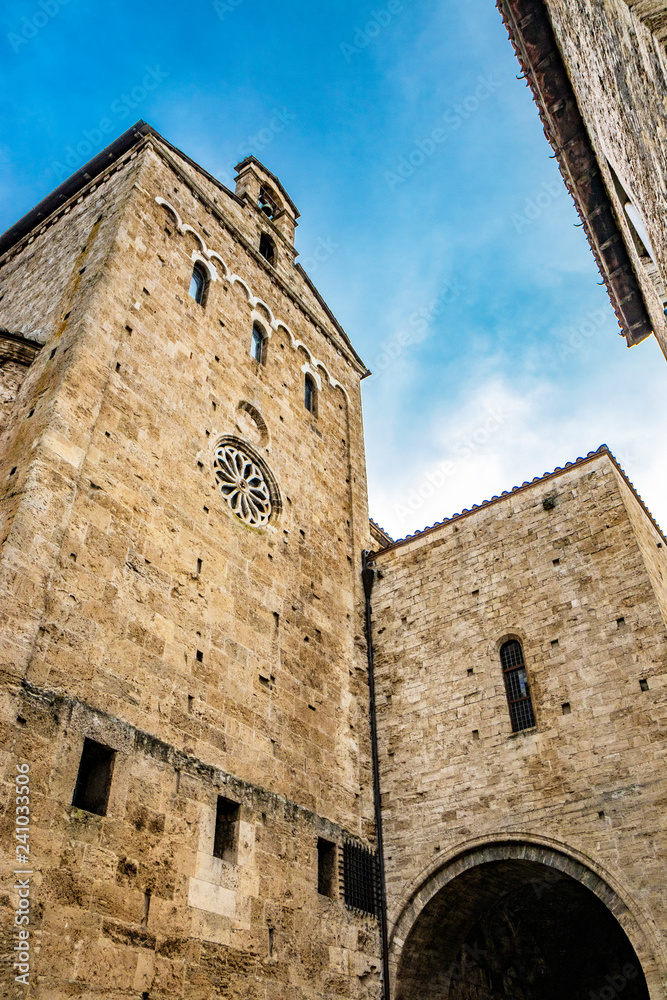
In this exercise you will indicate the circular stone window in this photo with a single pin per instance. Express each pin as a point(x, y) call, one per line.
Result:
point(245, 482)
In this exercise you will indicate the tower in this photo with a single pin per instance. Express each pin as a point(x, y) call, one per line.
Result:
point(182, 519)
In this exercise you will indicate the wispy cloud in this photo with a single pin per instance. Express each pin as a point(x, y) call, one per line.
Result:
point(507, 434)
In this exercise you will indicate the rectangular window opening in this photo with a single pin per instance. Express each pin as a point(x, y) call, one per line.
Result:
point(643, 684)
point(360, 878)
point(93, 782)
point(225, 843)
point(326, 868)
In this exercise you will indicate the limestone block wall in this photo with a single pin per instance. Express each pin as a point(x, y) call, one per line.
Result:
point(48, 285)
point(16, 355)
point(569, 578)
point(616, 59)
point(134, 903)
point(208, 654)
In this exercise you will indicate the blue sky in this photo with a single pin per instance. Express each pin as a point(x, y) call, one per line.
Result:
point(417, 159)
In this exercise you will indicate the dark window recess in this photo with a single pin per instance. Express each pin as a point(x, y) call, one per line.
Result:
point(326, 868)
point(310, 394)
point(267, 248)
point(516, 686)
point(361, 879)
point(225, 844)
point(643, 684)
point(199, 284)
point(93, 782)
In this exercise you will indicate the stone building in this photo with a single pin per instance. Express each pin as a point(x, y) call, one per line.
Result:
point(521, 658)
point(598, 72)
point(214, 785)
point(182, 655)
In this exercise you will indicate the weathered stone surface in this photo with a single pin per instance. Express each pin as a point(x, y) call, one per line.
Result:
point(613, 54)
point(207, 657)
point(581, 581)
point(214, 658)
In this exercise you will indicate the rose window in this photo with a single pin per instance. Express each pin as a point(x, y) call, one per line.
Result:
point(243, 483)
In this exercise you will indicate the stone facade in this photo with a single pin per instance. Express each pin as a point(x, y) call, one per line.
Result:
point(613, 53)
point(185, 737)
point(574, 568)
point(210, 658)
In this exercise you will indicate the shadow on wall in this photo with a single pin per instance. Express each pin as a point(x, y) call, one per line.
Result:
point(522, 930)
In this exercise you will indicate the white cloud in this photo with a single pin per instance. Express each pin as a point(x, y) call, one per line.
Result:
point(509, 432)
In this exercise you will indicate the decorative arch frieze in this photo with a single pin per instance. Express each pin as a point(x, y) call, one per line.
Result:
point(253, 300)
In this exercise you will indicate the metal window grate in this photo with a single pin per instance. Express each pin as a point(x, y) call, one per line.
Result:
point(511, 655)
point(360, 878)
point(516, 686)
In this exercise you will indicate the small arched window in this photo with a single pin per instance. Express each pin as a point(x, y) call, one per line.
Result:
point(267, 248)
point(258, 344)
point(310, 395)
point(516, 686)
point(199, 283)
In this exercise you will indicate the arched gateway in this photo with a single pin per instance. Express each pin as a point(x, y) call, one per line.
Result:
point(520, 922)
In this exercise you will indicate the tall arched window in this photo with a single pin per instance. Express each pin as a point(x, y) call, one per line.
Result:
point(199, 283)
point(258, 344)
point(516, 686)
point(310, 397)
point(267, 248)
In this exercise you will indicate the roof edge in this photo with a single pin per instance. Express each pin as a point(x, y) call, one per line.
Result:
point(382, 537)
point(79, 180)
point(536, 46)
point(62, 194)
point(590, 457)
point(547, 477)
point(132, 137)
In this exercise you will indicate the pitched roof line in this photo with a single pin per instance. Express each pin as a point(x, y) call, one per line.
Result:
point(590, 457)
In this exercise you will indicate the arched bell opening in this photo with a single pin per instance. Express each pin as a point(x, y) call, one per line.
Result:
point(517, 929)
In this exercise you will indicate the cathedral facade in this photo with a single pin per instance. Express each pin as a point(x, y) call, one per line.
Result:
point(252, 747)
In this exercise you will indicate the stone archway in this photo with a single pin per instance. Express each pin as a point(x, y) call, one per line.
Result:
point(517, 922)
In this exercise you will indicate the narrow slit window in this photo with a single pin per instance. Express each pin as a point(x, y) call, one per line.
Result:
point(258, 345)
point(310, 395)
point(516, 686)
point(267, 248)
point(326, 868)
point(93, 782)
point(226, 841)
point(199, 284)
